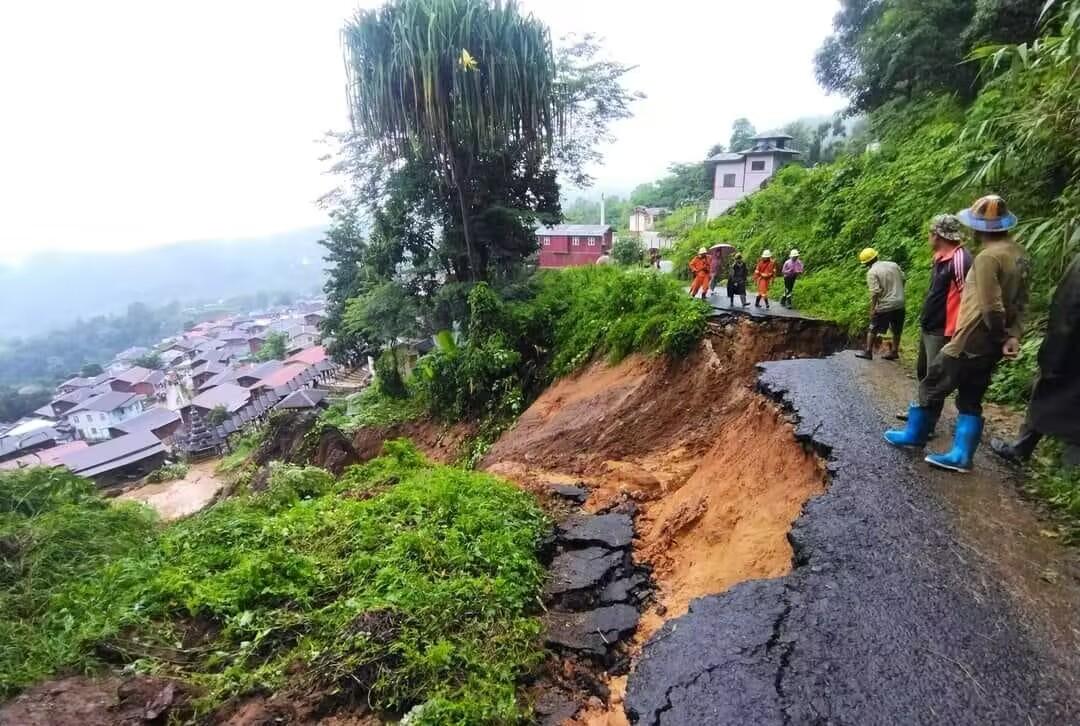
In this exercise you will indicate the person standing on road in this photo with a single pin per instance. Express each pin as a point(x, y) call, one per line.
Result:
point(1054, 409)
point(736, 282)
point(885, 280)
point(764, 274)
point(941, 309)
point(793, 267)
point(700, 270)
point(988, 329)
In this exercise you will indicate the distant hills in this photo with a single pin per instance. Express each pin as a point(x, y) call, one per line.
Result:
point(53, 289)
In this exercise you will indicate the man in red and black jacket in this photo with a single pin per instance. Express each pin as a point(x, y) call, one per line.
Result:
point(942, 306)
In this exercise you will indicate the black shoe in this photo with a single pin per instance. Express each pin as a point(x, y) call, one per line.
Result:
point(746, 304)
point(1006, 451)
point(902, 415)
point(865, 355)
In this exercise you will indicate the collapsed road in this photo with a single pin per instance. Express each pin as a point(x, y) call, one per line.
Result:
point(894, 614)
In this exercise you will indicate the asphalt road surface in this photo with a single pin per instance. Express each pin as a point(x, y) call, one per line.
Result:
point(918, 597)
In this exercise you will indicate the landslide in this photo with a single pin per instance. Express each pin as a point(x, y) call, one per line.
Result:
point(713, 465)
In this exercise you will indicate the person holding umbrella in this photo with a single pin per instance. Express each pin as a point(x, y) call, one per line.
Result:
point(793, 267)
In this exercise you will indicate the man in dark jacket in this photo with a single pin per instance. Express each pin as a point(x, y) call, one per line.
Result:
point(941, 309)
point(736, 282)
point(1054, 409)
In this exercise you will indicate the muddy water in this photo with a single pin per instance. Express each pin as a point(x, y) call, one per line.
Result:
point(994, 523)
point(183, 497)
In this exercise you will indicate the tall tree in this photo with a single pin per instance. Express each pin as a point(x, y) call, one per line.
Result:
point(885, 49)
point(450, 81)
point(742, 134)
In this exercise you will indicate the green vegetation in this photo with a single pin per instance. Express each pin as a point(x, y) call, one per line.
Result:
point(514, 346)
point(273, 348)
point(948, 134)
point(151, 360)
point(242, 445)
point(628, 250)
point(404, 583)
point(1058, 486)
point(168, 472)
point(371, 407)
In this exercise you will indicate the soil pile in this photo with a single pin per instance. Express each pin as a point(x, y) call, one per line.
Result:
point(713, 465)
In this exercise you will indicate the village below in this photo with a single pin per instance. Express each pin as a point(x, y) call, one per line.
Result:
point(539, 454)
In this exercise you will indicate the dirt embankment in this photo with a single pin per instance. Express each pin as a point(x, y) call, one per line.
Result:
point(713, 465)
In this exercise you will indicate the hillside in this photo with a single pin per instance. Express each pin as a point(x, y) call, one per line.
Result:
point(52, 289)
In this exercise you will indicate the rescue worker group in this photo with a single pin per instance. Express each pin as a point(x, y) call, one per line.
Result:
point(971, 319)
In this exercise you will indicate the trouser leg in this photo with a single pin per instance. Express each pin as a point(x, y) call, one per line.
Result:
point(929, 347)
point(973, 378)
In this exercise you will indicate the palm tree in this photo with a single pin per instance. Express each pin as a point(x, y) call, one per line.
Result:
point(450, 81)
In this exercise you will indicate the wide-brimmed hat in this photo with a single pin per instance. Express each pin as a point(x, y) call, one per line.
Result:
point(703, 251)
point(766, 254)
point(988, 214)
point(793, 254)
point(947, 226)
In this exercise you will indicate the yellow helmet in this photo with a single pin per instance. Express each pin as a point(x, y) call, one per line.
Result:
point(868, 255)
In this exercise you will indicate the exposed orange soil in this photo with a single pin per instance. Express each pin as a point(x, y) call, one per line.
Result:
point(713, 465)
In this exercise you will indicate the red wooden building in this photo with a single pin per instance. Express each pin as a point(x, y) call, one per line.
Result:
point(571, 245)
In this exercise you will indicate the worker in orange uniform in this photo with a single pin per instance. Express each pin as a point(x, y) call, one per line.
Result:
point(701, 271)
point(764, 274)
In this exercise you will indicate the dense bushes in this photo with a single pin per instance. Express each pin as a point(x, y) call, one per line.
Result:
point(416, 593)
point(550, 327)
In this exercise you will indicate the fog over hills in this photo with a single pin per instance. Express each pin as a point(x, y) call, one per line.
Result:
point(52, 289)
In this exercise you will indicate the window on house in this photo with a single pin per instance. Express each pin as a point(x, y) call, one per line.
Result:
point(757, 166)
point(93, 431)
point(729, 180)
point(576, 241)
point(547, 241)
point(592, 241)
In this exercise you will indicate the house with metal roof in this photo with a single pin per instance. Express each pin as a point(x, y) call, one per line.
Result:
point(572, 245)
point(740, 173)
point(125, 458)
point(92, 418)
point(304, 398)
point(161, 422)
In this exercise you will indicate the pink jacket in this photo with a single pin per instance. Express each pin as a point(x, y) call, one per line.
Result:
point(792, 267)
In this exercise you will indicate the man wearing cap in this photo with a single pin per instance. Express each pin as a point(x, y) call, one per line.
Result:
point(885, 280)
point(988, 328)
point(701, 270)
point(793, 267)
point(941, 309)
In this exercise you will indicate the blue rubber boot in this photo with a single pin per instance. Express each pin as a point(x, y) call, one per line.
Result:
point(920, 421)
point(965, 441)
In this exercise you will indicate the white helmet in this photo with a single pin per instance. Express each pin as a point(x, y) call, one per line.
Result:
point(767, 254)
point(794, 254)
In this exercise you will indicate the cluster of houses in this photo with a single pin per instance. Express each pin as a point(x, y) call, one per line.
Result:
point(123, 423)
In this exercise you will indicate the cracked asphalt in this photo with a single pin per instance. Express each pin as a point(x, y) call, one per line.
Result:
point(914, 600)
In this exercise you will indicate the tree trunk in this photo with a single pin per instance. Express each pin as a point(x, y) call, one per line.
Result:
point(466, 225)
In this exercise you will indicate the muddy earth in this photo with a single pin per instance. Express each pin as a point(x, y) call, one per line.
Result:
point(711, 467)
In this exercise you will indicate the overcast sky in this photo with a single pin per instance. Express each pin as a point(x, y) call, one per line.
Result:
point(128, 124)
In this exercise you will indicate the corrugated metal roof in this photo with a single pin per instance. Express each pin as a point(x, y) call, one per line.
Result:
point(304, 398)
point(106, 402)
point(113, 454)
point(581, 230)
point(149, 420)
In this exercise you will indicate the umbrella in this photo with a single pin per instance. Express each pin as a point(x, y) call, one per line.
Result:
point(720, 254)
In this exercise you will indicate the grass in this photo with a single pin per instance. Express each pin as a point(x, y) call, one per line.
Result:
point(402, 584)
point(168, 472)
point(243, 445)
point(1058, 486)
